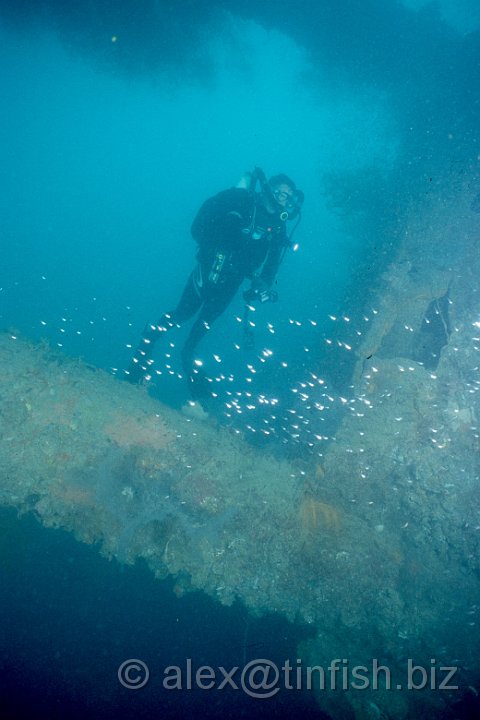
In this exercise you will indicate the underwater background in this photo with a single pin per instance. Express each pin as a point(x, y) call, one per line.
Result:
point(118, 120)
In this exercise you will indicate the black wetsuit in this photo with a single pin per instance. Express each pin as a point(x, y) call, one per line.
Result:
point(237, 238)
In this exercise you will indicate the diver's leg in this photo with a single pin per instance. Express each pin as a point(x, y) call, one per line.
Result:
point(142, 358)
point(216, 302)
point(188, 305)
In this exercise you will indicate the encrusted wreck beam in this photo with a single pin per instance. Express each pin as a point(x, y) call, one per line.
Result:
point(104, 460)
point(407, 457)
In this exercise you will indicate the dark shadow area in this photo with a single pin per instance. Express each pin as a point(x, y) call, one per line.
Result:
point(433, 334)
point(69, 618)
point(138, 38)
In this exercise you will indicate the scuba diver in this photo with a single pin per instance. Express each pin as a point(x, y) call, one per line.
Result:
point(241, 234)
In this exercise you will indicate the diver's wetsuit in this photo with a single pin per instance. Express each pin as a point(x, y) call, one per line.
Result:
point(236, 236)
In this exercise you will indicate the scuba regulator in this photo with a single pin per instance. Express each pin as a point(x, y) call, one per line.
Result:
point(293, 202)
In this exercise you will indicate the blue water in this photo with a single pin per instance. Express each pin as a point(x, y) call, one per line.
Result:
point(118, 120)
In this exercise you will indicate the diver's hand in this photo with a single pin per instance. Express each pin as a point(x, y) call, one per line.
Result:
point(260, 292)
point(260, 175)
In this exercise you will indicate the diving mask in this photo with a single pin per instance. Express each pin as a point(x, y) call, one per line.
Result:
point(290, 202)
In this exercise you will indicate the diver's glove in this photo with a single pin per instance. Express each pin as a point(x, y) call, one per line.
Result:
point(259, 175)
point(260, 292)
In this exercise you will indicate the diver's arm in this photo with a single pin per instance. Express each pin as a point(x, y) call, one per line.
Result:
point(261, 288)
point(272, 263)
